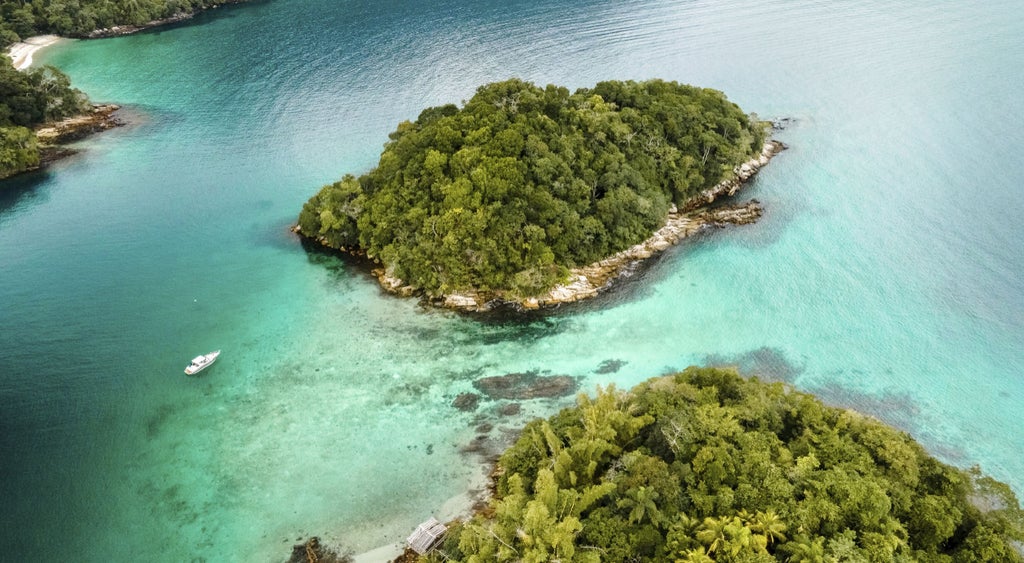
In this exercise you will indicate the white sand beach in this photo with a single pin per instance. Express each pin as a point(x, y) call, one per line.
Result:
point(21, 52)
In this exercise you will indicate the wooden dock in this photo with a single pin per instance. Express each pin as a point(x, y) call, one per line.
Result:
point(426, 536)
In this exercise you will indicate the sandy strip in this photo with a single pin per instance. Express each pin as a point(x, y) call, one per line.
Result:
point(21, 53)
point(381, 554)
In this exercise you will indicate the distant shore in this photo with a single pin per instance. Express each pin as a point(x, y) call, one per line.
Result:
point(119, 30)
point(21, 52)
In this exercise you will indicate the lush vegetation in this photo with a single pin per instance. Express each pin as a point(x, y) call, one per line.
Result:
point(27, 99)
point(45, 94)
point(706, 466)
point(524, 182)
point(76, 18)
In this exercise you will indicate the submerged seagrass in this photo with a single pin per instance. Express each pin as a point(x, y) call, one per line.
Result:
point(523, 183)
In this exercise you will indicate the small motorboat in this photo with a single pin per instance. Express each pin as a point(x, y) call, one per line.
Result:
point(199, 363)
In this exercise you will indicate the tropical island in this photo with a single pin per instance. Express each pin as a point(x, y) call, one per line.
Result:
point(707, 466)
point(513, 196)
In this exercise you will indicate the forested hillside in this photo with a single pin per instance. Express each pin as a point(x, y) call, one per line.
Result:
point(705, 466)
point(76, 18)
point(522, 183)
point(27, 99)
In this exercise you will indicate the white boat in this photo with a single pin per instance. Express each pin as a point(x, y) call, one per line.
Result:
point(199, 363)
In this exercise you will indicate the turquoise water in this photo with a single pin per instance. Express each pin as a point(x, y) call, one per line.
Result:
point(886, 274)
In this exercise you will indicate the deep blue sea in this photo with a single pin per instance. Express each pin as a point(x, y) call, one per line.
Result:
point(887, 274)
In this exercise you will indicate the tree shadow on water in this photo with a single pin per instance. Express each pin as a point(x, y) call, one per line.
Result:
point(22, 191)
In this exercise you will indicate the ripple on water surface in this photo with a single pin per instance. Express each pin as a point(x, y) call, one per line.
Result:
point(880, 277)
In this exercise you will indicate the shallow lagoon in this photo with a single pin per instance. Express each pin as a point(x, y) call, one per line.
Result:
point(886, 274)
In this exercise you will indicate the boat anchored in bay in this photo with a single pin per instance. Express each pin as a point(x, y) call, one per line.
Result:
point(199, 363)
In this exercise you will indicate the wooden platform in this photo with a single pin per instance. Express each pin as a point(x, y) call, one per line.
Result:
point(426, 535)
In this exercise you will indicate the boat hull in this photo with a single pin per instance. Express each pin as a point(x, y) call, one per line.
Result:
point(201, 362)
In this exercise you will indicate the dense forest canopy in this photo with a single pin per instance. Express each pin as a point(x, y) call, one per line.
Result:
point(28, 98)
point(20, 19)
point(705, 466)
point(523, 182)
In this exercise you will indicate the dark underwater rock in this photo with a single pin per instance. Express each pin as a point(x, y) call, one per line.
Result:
point(529, 385)
point(466, 402)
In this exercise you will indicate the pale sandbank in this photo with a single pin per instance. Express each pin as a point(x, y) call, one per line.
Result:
point(21, 52)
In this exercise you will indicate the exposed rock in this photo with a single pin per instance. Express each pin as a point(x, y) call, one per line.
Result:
point(782, 123)
point(392, 284)
point(520, 386)
point(743, 214)
point(481, 444)
point(742, 172)
point(588, 281)
point(461, 301)
point(466, 402)
point(100, 118)
point(119, 30)
point(52, 136)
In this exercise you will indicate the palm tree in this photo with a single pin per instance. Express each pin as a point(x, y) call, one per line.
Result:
point(740, 538)
point(642, 502)
point(803, 550)
point(712, 533)
point(681, 537)
point(695, 556)
point(770, 525)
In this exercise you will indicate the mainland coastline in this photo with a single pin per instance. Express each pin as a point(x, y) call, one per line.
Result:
point(52, 137)
point(46, 142)
point(21, 52)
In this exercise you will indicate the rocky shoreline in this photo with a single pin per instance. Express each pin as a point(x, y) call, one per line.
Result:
point(52, 136)
point(589, 281)
point(99, 118)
